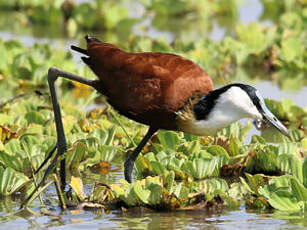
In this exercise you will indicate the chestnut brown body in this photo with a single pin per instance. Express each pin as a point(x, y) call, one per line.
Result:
point(146, 87)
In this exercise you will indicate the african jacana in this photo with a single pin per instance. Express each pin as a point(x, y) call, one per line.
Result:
point(161, 90)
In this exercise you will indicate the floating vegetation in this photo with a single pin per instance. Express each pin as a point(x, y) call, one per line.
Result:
point(175, 171)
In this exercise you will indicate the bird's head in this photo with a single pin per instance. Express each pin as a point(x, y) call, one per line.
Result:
point(228, 104)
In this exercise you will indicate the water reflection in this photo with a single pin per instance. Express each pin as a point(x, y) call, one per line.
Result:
point(250, 11)
point(29, 40)
point(270, 90)
point(136, 219)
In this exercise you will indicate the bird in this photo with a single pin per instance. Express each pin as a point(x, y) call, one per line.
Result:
point(161, 90)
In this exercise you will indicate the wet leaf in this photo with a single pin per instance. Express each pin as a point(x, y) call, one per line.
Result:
point(77, 155)
point(102, 168)
point(285, 193)
point(7, 134)
point(77, 185)
point(214, 186)
point(256, 181)
point(142, 165)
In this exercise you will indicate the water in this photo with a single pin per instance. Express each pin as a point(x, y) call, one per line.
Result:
point(270, 90)
point(137, 219)
point(11, 217)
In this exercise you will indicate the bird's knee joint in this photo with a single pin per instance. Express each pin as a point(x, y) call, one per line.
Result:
point(53, 74)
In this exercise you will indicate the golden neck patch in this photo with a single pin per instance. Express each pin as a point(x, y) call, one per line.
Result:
point(185, 115)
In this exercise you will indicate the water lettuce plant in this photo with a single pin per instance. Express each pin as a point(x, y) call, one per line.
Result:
point(176, 170)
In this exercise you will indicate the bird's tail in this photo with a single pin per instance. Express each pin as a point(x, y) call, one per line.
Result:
point(88, 39)
point(78, 49)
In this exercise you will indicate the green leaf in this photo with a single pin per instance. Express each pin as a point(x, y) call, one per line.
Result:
point(254, 37)
point(255, 181)
point(216, 150)
point(157, 167)
point(236, 130)
point(156, 192)
point(291, 164)
point(150, 156)
point(155, 186)
point(304, 169)
point(298, 189)
point(181, 191)
point(4, 118)
point(142, 165)
point(111, 134)
point(284, 201)
point(77, 185)
point(213, 186)
point(304, 144)
point(288, 148)
point(27, 142)
point(35, 117)
point(170, 181)
point(200, 168)
point(189, 147)
point(109, 153)
point(77, 155)
point(239, 191)
point(291, 48)
point(262, 161)
point(285, 193)
point(16, 162)
point(141, 193)
point(276, 108)
point(11, 181)
point(257, 139)
point(168, 139)
point(101, 135)
point(234, 146)
point(13, 146)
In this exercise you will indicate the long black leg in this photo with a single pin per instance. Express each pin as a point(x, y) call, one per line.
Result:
point(53, 74)
point(129, 163)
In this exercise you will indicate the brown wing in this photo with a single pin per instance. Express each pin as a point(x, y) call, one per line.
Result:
point(146, 87)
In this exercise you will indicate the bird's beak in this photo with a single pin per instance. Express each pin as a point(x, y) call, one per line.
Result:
point(268, 116)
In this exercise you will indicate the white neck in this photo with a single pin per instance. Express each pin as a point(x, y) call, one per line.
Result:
point(231, 106)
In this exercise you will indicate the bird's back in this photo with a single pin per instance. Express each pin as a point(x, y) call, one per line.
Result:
point(146, 87)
